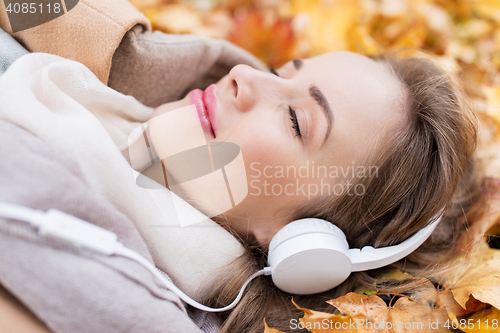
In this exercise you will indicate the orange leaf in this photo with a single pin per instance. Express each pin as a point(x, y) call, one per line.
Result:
point(270, 38)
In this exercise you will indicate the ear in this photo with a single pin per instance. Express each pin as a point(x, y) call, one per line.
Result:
point(265, 232)
point(262, 236)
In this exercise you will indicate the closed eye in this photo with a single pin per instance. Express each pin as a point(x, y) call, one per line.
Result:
point(295, 123)
point(271, 69)
point(293, 115)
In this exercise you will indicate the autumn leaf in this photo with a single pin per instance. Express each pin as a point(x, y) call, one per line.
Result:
point(406, 315)
point(360, 41)
point(322, 322)
point(493, 101)
point(483, 216)
point(485, 321)
point(175, 19)
point(479, 279)
point(269, 38)
point(144, 5)
point(329, 22)
point(442, 299)
point(488, 8)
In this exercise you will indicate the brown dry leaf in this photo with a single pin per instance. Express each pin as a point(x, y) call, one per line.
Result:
point(322, 322)
point(479, 279)
point(421, 316)
point(483, 216)
point(406, 315)
point(442, 299)
point(445, 300)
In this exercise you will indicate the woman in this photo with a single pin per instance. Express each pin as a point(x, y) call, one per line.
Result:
point(403, 116)
point(304, 113)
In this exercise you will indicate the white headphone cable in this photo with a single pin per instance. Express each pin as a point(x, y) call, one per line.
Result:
point(82, 234)
point(125, 252)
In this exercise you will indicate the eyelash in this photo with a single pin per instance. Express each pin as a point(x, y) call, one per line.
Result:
point(293, 116)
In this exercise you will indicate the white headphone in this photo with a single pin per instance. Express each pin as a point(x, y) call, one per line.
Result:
point(310, 256)
point(307, 256)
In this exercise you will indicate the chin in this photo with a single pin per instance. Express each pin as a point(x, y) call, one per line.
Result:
point(170, 106)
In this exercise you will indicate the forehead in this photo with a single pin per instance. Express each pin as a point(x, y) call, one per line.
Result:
point(365, 96)
point(352, 74)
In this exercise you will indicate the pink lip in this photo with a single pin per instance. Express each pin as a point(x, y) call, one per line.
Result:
point(205, 103)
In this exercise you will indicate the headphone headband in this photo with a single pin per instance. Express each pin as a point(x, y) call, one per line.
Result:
point(370, 258)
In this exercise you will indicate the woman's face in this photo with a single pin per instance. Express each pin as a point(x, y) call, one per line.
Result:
point(301, 132)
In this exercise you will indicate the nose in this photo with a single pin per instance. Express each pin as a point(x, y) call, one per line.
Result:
point(247, 85)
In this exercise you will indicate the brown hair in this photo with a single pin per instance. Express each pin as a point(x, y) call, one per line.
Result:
point(426, 166)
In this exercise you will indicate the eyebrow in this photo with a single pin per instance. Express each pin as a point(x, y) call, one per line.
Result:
point(320, 99)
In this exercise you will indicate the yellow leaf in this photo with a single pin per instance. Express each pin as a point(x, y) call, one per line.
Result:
point(488, 8)
point(474, 29)
point(329, 22)
point(143, 5)
point(484, 321)
point(394, 274)
point(493, 100)
point(412, 36)
point(177, 19)
point(360, 41)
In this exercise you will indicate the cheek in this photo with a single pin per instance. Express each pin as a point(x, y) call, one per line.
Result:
point(264, 146)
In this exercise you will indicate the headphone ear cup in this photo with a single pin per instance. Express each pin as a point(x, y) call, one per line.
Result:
point(309, 256)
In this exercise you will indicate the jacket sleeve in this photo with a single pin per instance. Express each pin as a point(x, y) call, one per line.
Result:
point(90, 32)
point(158, 68)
